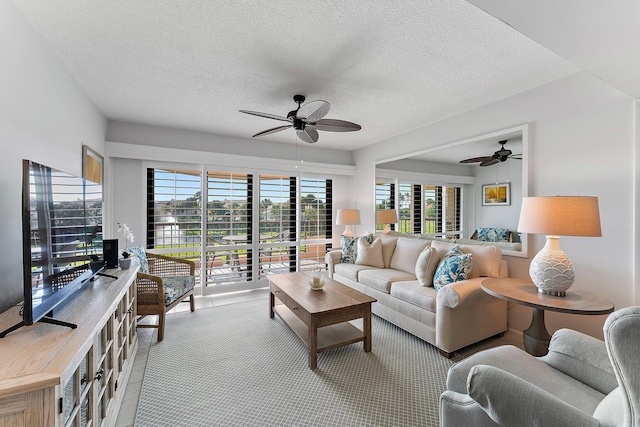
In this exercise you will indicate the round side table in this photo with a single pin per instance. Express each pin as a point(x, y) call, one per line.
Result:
point(536, 338)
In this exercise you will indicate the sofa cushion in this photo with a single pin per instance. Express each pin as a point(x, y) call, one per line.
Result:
point(176, 286)
point(388, 246)
point(406, 254)
point(350, 247)
point(454, 267)
point(370, 253)
point(415, 293)
point(381, 279)
point(350, 271)
point(426, 266)
point(488, 234)
point(486, 259)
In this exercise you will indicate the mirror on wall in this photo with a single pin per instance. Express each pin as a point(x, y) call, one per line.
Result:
point(467, 196)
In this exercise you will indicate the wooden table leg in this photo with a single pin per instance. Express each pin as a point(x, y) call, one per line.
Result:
point(313, 344)
point(272, 303)
point(536, 338)
point(366, 326)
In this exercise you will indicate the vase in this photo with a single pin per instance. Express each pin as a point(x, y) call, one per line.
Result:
point(125, 263)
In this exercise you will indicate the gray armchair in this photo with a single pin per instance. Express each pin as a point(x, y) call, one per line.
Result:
point(582, 381)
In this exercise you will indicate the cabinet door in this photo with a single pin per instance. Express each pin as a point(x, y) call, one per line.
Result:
point(27, 409)
point(76, 395)
point(103, 379)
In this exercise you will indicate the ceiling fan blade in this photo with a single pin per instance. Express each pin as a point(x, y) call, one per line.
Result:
point(308, 134)
point(516, 156)
point(266, 115)
point(477, 159)
point(272, 130)
point(313, 111)
point(332, 125)
point(489, 162)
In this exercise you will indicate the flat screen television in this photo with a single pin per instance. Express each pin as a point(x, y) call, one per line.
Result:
point(61, 231)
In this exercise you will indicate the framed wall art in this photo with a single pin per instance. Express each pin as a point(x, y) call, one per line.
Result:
point(92, 165)
point(496, 194)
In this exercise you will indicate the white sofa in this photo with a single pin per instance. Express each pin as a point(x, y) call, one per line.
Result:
point(454, 317)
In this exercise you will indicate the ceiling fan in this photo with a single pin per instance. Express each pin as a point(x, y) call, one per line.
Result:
point(307, 120)
point(499, 156)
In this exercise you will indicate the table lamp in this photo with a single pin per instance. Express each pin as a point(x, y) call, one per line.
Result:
point(386, 217)
point(551, 270)
point(348, 217)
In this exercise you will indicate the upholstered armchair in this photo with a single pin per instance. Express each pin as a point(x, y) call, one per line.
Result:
point(582, 381)
point(162, 283)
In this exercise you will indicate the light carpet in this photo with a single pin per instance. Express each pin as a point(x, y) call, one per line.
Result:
point(234, 366)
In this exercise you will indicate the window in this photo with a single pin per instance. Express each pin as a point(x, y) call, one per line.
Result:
point(442, 211)
point(247, 229)
point(385, 199)
point(316, 222)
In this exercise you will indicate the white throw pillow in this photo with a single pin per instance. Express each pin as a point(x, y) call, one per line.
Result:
point(370, 253)
point(406, 254)
point(426, 266)
point(388, 246)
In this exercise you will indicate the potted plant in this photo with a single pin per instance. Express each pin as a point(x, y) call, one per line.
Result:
point(125, 261)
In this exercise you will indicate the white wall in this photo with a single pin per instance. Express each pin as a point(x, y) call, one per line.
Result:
point(44, 116)
point(581, 142)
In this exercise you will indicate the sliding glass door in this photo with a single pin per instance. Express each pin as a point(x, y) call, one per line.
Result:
point(247, 229)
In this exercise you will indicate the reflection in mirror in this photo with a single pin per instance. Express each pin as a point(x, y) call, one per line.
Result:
point(469, 190)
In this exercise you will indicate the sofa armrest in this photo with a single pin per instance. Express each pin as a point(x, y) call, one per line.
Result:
point(332, 258)
point(462, 293)
point(582, 357)
point(510, 400)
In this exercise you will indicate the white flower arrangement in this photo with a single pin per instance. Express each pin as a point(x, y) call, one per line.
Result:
point(126, 231)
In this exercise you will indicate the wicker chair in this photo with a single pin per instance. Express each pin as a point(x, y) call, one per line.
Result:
point(169, 281)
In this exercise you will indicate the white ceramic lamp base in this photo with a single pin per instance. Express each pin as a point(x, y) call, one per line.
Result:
point(347, 231)
point(551, 270)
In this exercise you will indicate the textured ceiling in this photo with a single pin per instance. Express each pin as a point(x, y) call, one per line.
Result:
point(388, 66)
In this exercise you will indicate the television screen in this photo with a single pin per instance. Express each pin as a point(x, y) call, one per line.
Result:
point(62, 228)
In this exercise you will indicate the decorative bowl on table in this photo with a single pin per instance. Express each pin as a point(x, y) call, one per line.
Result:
point(316, 283)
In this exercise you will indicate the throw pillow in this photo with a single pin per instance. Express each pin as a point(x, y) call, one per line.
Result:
point(138, 253)
point(388, 246)
point(350, 247)
point(406, 254)
point(493, 234)
point(370, 253)
point(454, 267)
point(426, 266)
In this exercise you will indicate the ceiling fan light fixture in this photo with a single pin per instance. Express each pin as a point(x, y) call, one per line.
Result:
point(502, 155)
point(307, 120)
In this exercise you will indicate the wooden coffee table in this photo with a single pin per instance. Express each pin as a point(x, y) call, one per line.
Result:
point(536, 338)
point(320, 318)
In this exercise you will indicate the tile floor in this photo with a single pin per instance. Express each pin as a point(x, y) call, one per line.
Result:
point(146, 337)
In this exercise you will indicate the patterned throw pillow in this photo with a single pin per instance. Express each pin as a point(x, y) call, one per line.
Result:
point(493, 234)
point(137, 252)
point(350, 247)
point(454, 267)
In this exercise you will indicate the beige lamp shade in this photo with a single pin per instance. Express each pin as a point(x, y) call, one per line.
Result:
point(560, 216)
point(386, 217)
point(348, 217)
point(551, 270)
